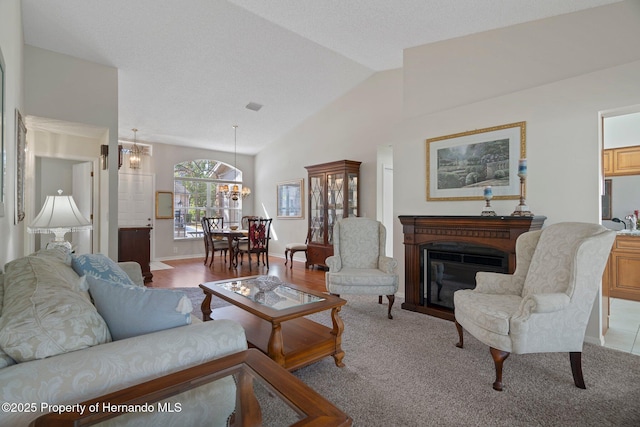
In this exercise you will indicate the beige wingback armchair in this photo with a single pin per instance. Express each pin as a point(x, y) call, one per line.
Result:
point(544, 306)
point(359, 265)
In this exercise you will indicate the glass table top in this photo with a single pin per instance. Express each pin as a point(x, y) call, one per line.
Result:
point(270, 291)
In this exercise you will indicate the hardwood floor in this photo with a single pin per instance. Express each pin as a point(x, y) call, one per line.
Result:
point(192, 272)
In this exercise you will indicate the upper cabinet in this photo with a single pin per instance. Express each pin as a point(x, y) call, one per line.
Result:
point(622, 161)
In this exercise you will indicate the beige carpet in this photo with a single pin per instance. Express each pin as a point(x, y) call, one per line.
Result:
point(408, 372)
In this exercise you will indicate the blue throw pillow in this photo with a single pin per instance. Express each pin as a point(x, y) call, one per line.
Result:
point(130, 311)
point(100, 267)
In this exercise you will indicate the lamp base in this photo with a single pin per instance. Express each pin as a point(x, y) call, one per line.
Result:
point(486, 212)
point(522, 210)
point(62, 245)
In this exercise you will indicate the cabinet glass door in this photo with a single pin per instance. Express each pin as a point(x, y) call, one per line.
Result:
point(316, 208)
point(335, 201)
point(353, 195)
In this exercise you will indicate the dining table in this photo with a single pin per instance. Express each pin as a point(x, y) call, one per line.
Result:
point(230, 235)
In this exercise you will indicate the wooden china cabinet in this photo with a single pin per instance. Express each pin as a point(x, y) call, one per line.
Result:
point(333, 194)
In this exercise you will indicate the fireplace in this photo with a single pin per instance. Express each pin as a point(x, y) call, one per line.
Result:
point(450, 266)
point(458, 247)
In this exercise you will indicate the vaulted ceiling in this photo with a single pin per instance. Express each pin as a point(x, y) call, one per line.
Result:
point(187, 69)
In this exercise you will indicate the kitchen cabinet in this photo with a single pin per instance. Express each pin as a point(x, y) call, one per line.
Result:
point(624, 268)
point(622, 161)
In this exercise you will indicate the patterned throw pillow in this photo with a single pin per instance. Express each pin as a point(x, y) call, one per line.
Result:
point(101, 267)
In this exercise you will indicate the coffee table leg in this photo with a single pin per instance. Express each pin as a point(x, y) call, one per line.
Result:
point(338, 327)
point(275, 346)
point(206, 307)
point(248, 412)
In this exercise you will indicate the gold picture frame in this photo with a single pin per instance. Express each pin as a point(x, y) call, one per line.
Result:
point(21, 154)
point(290, 196)
point(164, 205)
point(459, 166)
point(2, 128)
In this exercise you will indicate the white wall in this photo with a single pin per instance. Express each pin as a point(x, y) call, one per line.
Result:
point(11, 45)
point(351, 128)
point(69, 89)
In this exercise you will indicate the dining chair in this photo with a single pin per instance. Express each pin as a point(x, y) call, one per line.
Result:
point(213, 243)
point(292, 248)
point(257, 241)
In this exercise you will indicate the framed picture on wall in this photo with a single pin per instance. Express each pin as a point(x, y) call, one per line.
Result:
point(21, 148)
point(459, 166)
point(164, 204)
point(2, 155)
point(290, 196)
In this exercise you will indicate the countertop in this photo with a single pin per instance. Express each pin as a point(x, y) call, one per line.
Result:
point(629, 233)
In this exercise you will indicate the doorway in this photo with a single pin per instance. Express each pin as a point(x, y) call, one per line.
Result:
point(74, 177)
point(620, 129)
point(384, 209)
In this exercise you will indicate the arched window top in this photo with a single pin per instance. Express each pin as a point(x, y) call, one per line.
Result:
point(207, 169)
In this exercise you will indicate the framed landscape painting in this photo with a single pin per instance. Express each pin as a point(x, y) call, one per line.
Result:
point(459, 166)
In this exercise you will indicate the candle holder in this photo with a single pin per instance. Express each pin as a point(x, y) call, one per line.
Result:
point(522, 209)
point(488, 210)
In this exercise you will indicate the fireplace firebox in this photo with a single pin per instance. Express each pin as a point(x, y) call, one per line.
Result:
point(450, 266)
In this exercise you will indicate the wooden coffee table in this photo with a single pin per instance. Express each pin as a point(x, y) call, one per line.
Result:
point(252, 371)
point(274, 320)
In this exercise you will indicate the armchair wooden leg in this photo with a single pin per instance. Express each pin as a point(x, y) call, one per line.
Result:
point(286, 254)
point(391, 299)
point(499, 357)
point(576, 368)
point(460, 343)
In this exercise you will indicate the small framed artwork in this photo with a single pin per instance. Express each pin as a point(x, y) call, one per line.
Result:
point(2, 154)
point(21, 154)
point(606, 200)
point(459, 166)
point(290, 196)
point(164, 205)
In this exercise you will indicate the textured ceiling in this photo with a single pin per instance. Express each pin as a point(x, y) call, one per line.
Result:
point(188, 68)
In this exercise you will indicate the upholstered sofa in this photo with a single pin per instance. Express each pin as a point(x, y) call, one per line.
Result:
point(56, 348)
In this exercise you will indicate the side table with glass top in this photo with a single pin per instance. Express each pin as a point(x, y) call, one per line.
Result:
point(273, 316)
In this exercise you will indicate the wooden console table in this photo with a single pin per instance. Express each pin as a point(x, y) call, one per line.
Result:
point(498, 232)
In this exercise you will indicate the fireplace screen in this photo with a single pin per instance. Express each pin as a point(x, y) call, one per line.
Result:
point(448, 267)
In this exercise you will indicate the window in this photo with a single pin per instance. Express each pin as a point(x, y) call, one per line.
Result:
point(196, 194)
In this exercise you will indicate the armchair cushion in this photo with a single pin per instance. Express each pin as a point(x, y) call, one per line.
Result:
point(489, 311)
point(359, 244)
point(362, 281)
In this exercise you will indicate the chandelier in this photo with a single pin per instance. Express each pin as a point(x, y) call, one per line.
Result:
point(234, 192)
point(135, 153)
